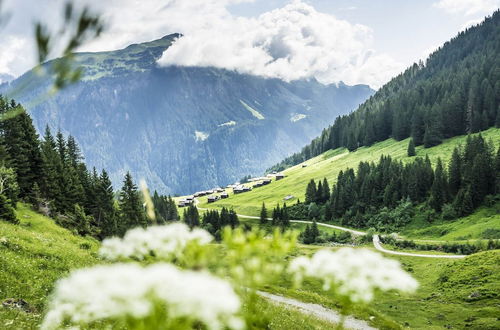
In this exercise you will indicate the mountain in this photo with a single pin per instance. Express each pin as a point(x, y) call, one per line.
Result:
point(5, 78)
point(456, 91)
point(182, 128)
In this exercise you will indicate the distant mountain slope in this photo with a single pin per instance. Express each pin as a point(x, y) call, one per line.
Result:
point(328, 165)
point(183, 129)
point(456, 91)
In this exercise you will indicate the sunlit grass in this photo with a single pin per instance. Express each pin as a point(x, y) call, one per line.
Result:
point(329, 165)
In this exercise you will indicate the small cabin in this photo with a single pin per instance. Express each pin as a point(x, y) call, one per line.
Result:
point(304, 165)
point(266, 181)
point(181, 204)
point(279, 176)
point(211, 199)
point(224, 195)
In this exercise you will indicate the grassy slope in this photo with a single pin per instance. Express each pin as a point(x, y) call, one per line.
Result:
point(33, 255)
point(329, 165)
point(466, 228)
point(36, 253)
point(442, 300)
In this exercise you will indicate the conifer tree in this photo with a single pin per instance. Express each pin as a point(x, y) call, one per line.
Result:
point(411, 148)
point(311, 192)
point(7, 211)
point(81, 221)
point(106, 212)
point(192, 217)
point(263, 214)
point(455, 172)
point(438, 189)
point(326, 191)
point(497, 171)
point(131, 210)
point(233, 219)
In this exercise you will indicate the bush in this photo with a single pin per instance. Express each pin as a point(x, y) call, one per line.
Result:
point(7, 211)
point(449, 212)
point(491, 233)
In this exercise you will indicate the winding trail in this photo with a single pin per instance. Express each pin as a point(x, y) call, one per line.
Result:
point(317, 310)
point(378, 246)
point(376, 238)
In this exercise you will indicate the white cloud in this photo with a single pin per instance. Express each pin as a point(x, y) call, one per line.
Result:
point(468, 7)
point(290, 43)
point(470, 23)
point(12, 52)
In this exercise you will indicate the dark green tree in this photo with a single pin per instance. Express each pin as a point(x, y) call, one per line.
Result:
point(311, 192)
point(411, 148)
point(263, 214)
point(131, 210)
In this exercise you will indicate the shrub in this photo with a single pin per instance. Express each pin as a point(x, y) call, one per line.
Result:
point(7, 211)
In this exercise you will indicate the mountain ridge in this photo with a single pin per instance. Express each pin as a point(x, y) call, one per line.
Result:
point(187, 128)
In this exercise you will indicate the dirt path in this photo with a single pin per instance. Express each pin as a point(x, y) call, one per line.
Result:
point(317, 311)
point(378, 246)
point(376, 238)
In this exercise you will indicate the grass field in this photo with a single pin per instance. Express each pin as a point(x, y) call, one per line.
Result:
point(329, 165)
point(37, 252)
point(33, 255)
point(452, 294)
point(484, 223)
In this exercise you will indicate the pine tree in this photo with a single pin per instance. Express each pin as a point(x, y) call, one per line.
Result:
point(314, 231)
point(439, 189)
point(192, 217)
point(263, 214)
point(411, 148)
point(233, 219)
point(7, 211)
point(311, 192)
point(131, 210)
point(106, 212)
point(463, 203)
point(482, 178)
point(285, 218)
point(497, 171)
point(326, 191)
point(455, 172)
point(81, 221)
point(319, 193)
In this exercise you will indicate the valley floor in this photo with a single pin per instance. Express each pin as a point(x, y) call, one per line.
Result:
point(37, 252)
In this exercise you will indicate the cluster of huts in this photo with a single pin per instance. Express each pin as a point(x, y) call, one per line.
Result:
point(237, 189)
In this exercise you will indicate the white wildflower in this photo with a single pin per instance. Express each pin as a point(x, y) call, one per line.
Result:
point(163, 241)
point(354, 273)
point(129, 291)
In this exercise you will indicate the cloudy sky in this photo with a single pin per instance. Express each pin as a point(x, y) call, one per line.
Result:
point(355, 41)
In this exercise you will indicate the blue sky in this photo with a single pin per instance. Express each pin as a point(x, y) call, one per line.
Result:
point(355, 41)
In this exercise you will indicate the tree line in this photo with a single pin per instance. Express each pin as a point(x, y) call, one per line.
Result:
point(383, 194)
point(50, 174)
point(456, 92)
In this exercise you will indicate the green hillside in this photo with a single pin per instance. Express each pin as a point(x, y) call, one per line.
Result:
point(33, 255)
point(37, 252)
point(452, 294)
point(328, 165)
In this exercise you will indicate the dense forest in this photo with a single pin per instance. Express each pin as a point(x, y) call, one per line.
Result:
point(384, 195)
point(50, 174)
point(456, 92)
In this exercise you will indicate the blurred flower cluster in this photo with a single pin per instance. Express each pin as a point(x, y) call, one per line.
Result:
point(129, 291)
point(172, 277)
point(354, 274)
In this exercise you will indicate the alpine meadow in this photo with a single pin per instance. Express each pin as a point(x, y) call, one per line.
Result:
point(249, 164)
